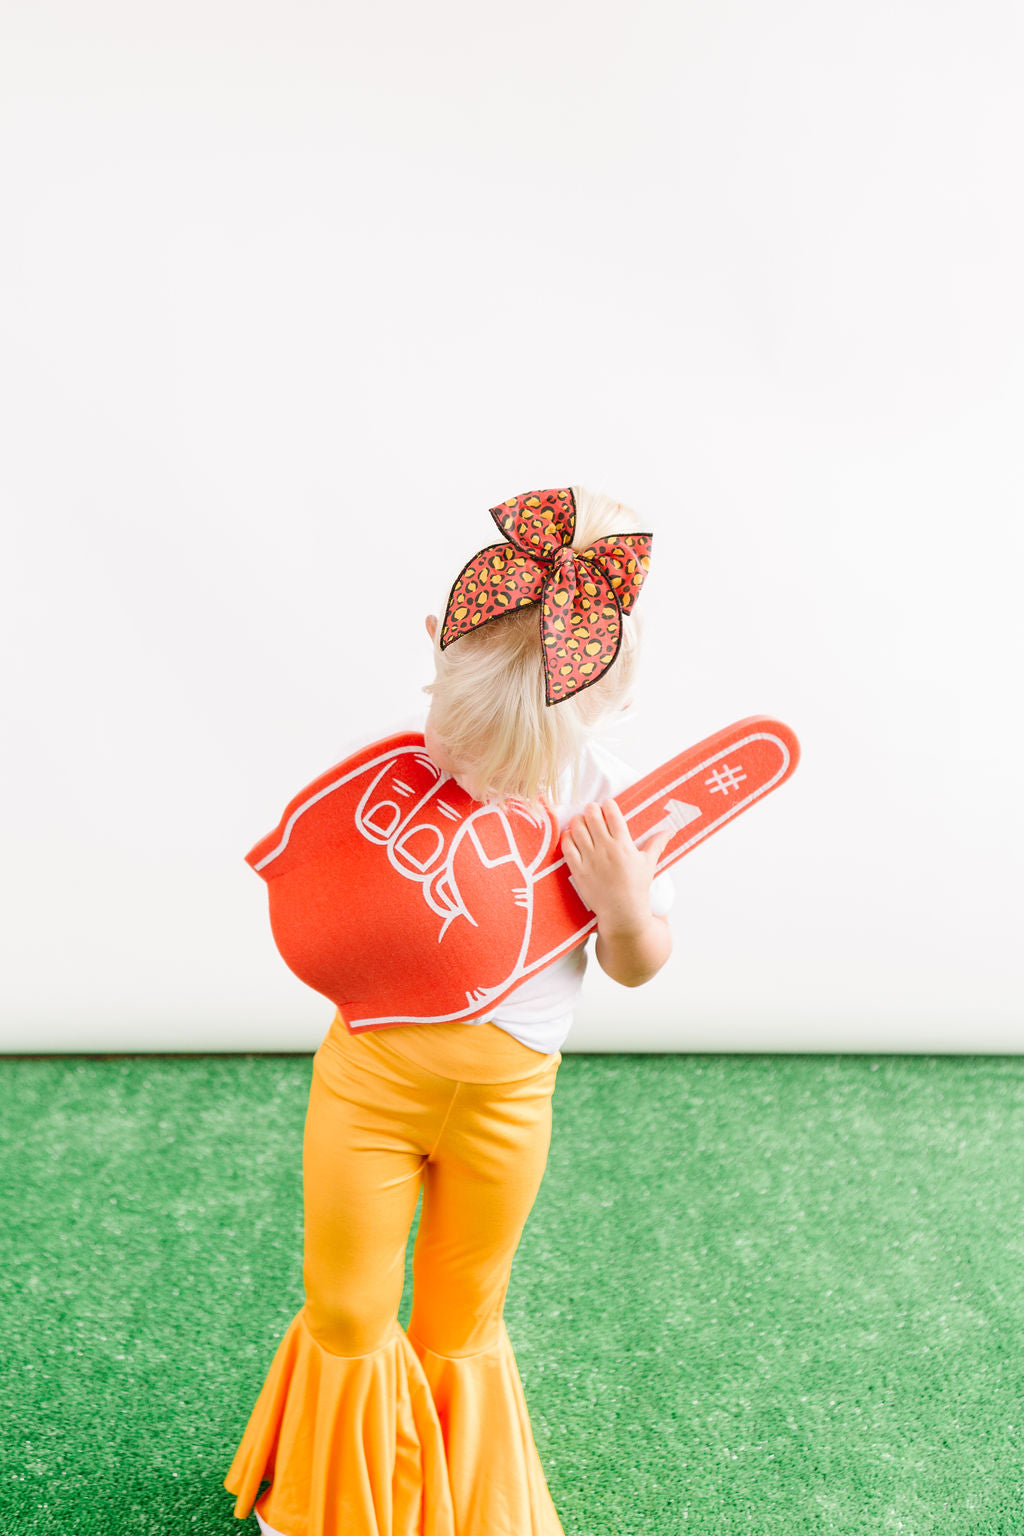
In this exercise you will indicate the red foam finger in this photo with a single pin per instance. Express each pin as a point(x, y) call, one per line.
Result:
point(403, 901)
point(710, 784)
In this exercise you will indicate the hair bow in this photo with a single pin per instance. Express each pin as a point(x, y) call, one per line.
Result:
point(583, 593)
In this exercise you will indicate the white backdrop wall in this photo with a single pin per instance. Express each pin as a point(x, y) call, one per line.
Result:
point(292, 293)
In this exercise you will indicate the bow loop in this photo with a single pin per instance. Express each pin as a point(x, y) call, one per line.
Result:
point(582, 593)
point(538, 523)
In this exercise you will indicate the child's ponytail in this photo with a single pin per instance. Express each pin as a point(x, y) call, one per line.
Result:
point(492, 695)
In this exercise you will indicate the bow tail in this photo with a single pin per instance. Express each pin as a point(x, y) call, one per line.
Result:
point(581, 628)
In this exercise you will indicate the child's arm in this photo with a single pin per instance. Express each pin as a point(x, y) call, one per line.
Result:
point(613, 876)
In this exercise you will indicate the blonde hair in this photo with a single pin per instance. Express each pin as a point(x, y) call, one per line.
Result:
point(488, 696)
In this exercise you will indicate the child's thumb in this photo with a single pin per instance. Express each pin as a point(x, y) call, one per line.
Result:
point(657, 845)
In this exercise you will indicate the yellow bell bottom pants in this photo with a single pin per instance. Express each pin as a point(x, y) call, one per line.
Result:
point(362, 1428)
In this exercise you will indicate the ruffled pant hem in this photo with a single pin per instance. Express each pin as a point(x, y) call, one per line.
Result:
point(398, 1442)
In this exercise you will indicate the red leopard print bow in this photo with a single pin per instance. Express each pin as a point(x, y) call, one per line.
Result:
point(583, 593)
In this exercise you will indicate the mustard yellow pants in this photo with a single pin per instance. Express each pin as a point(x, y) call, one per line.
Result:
point(362, 1428)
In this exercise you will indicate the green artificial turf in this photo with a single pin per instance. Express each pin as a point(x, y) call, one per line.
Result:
point(757, 1294)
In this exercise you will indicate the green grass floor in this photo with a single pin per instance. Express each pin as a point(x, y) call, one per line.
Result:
point(757, 1294)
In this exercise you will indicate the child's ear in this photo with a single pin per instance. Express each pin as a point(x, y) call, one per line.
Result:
point(431, 622)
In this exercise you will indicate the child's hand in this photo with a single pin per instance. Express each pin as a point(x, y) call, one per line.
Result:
point(612, 875)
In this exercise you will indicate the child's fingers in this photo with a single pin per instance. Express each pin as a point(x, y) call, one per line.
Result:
point(597, 824)
point(615, 819)
point(619, 827)
point(582, 831)
point(579, 834)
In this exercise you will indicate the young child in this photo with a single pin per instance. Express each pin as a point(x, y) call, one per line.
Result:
point(363, 1428)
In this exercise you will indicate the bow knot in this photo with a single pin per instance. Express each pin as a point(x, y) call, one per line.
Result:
point(564, 570)
point(582, 593)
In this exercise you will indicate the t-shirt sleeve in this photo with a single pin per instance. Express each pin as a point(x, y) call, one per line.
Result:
point(663, 894)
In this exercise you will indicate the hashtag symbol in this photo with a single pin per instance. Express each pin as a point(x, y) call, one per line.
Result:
point(725, 778)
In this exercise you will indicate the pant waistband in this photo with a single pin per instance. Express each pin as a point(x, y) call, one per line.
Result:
point(469, 1053)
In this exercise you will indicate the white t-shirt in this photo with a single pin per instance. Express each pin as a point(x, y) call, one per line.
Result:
point(540, 1012)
